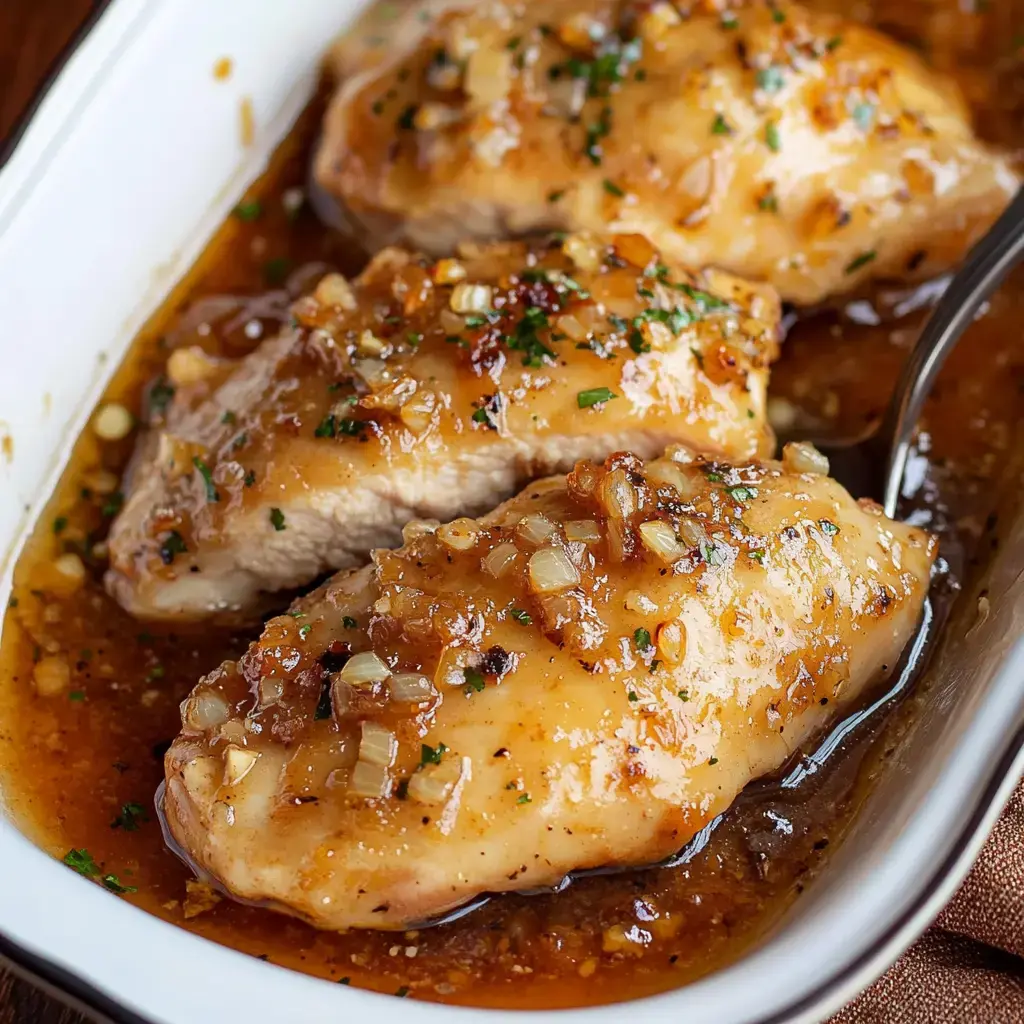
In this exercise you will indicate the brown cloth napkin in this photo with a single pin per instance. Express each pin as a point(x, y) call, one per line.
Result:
point(968, 968)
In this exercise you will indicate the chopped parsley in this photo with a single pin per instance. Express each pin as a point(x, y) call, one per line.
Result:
point(276, 270)
point(557, 194)
point(742, 493)
point(160, 395)
point(864, 116)
point(720, 126)
point(633, 697)
point(402, 992)
point(277, 519)
point(597, 131)
point(712, 760)
point(487, 414)
point(522, 617)
point(305, 630)
point(833, 43)
point(778, 16)
point(729, 21)
point(474, 680)
point(594, 396)
point(82, 862)
point(229, 417)
point(828, 527)
point(861, 261)
point(173, 544)
point(757, 555)
point(59, 524)
point(406, 120)
point(771, 137)
point(131, 816)
point(114, 885)
point(525, 799)
point(526, 339)
point(250, 478)
point(432, 755)
point(77, 696)
point(683, 694)
point(345, 981)
point(712, 555)
point(212, 494)
point(642, 639)
point(612, 189)
point(770, 78)
point(249, 210)
point(348, 622)
point(769, 202)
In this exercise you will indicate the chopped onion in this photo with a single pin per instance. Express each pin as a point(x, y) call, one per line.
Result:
point(671, 641)
point(410, 687)
point(535, 528)
point(432, 116)
point(373, 371)
point(498, 560)
point(369, 344)
point(418, 413)
point(617, 495)
point(449, 271)
point(551, 570)
point(71, 567)
point(660, 539)
point(378, 744)
point(585, 252)
point(434, 783)
point(471, 298)
point(334, 290)
point(271, 690)
point(459, 535)
point(692, 533)
point(364, 668)
point(416, 528)
point(803, 457)
point(636, 601)
point(666, 473)
point(113, 422)
point(52, 676)
point(451, 323)
point(681, 454)
point(584, 530)
point(238, 763)
point(572, 328)
point(369, 780)
point(205, 710)
point(189, 365)
point(488, 75)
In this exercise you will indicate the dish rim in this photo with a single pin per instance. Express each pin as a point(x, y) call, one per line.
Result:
point(826, 997)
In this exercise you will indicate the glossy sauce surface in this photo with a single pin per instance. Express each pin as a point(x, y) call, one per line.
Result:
point(81, 764)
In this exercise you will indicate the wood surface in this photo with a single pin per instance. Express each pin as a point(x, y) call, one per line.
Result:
point(33, 34)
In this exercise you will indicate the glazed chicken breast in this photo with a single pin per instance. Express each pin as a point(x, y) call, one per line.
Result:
point(781, 144)
point(430, 389)
point(583, 678)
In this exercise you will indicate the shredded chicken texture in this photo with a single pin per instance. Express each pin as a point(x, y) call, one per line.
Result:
point(782, 144)
point(430, 389)
point(583, 678)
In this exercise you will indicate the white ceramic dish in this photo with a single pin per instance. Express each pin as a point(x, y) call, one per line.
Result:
point(131, 161)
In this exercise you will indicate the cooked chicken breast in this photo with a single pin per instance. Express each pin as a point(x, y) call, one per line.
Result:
point(781, 144)
point(431, 390)
point(583, 678)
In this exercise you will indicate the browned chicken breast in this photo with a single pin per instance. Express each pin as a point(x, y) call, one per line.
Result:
point(585, 677)
point(430, 389)
point(781, 144)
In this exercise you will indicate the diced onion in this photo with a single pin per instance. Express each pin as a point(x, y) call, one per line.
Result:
point(498, 560)
point(551, 570)
point(535, 528)
point(71, 567)
point(471, 298)
point(378, 744)
point(451, 323)
point(432, 116)
point(113, 422)
point(660, 539)
point(334, 290)
point(205, 710)
point(658, 20)
point(636, 601)
point(572, 328)
point(418, 413)
point(692, 533)
point(488, 75)
point(52, 676)
point(369, 780)
point(449, 271)
point(416, 528)
point(584, 251)
point(666, 473)
point(671, 641)
point(364, 668)
point(584, 530)
point(369, 344)
point(802, 457)
point(434, 783)
point(410, 687)
point(189, 365)
point(680, 453)
point(459, 535)
point(238, 763)
point(271, 690)
point(618, 495)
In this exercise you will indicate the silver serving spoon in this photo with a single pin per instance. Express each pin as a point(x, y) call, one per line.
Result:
point(875, 466)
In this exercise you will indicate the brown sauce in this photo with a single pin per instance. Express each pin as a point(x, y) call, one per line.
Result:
point(80, 767)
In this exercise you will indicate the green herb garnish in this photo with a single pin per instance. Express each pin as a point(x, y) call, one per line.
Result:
point(249, 210)
point(277, 519)
point(432, 755)
point(173, 544)
point(642, 639)
point(212, 494)
point(522, 617)
point(861, 261)
point(594, 396)
point(131, 816)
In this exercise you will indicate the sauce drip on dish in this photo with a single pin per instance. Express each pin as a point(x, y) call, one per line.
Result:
point(89, 697)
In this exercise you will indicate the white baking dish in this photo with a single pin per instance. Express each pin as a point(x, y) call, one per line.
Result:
point(131, 161)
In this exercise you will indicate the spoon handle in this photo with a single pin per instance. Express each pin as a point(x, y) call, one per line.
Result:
point(982, 272)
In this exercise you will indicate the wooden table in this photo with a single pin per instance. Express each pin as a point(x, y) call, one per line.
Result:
point(33, 33)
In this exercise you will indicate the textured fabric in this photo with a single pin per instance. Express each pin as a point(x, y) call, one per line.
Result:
point(969, 967)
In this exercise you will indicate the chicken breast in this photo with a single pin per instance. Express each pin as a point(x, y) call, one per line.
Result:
point(584, 678)
point(432, 390)
point(781, 144)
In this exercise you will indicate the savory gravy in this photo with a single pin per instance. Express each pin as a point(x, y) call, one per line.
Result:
point(89, 697)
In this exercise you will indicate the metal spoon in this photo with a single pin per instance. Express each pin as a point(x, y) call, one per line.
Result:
point(875, 466)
